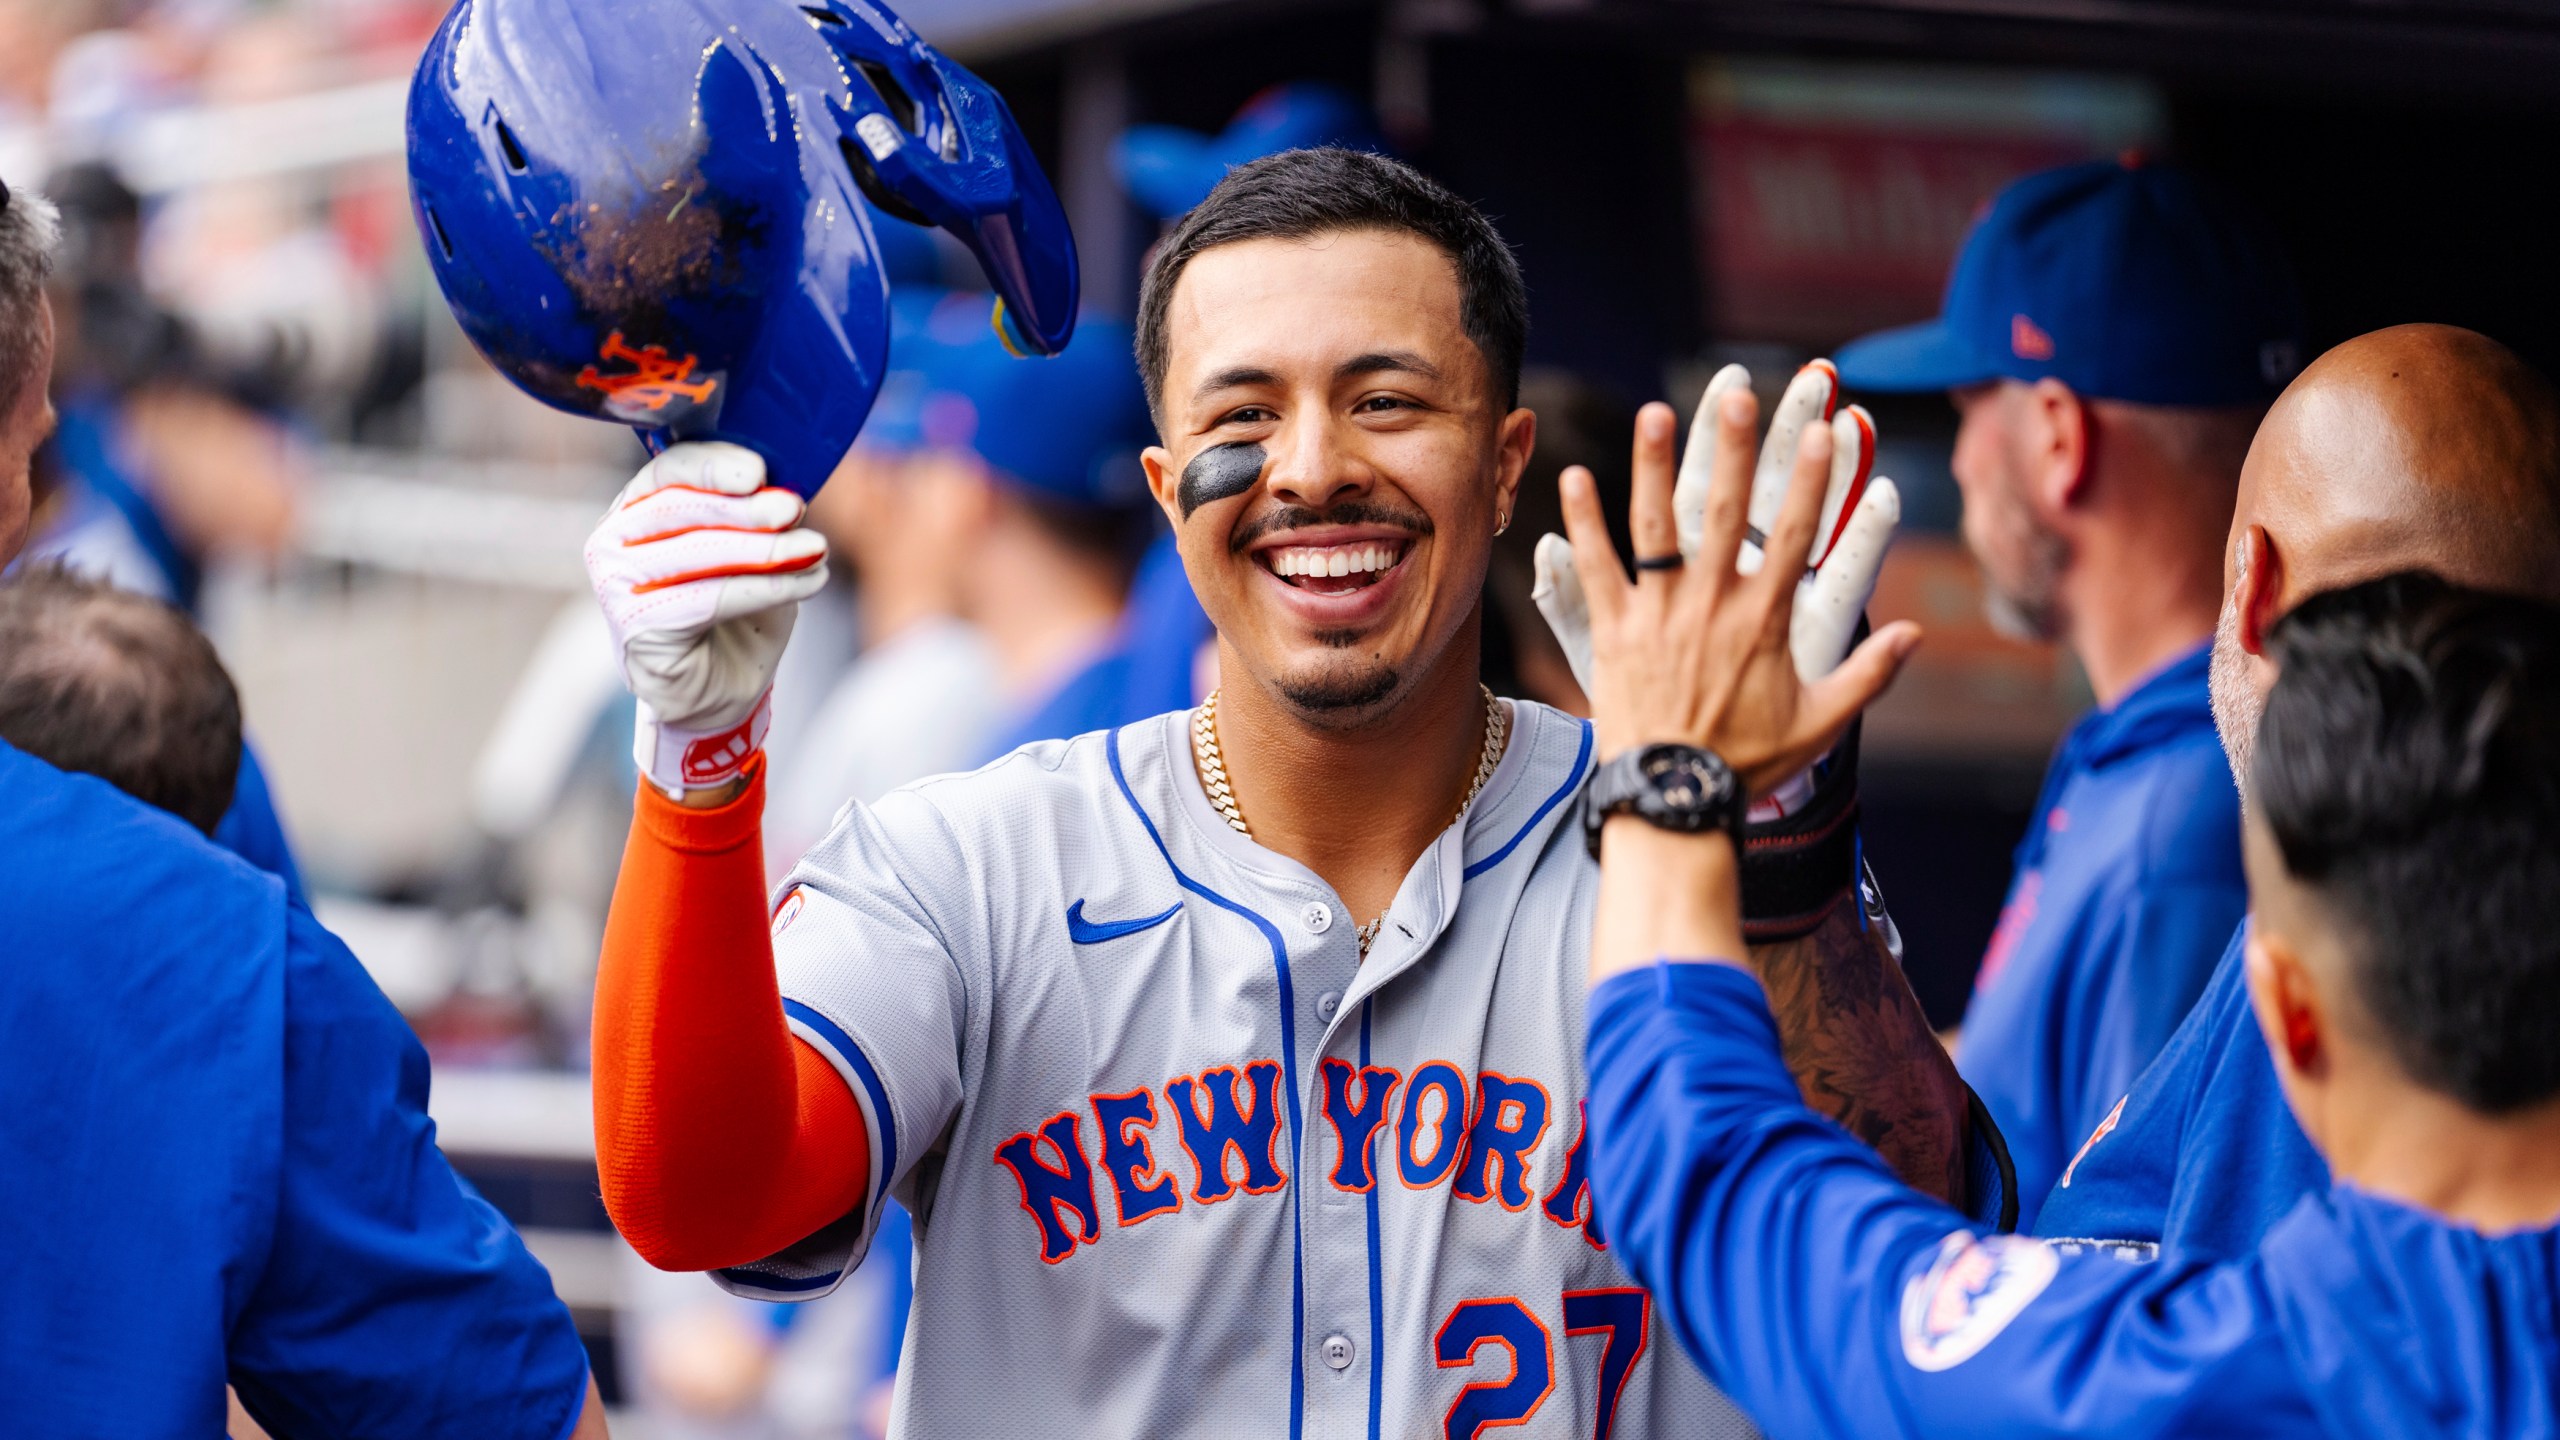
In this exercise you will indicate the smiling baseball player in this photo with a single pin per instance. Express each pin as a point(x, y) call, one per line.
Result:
point(1228, 1061)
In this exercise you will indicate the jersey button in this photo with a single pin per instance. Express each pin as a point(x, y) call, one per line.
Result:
point(1337, 1351)
point(1327, 1003)
point(1319, 917)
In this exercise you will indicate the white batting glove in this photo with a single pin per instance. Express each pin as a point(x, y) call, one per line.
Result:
point(700, 567)
point(1859, 514)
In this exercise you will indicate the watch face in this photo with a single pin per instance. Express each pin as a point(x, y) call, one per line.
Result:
point(1675, 787)
point(1680, 778)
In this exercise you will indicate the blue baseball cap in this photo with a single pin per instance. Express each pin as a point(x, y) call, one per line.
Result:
point(931, 330)
point(1169, 170)
point(1068, 427)
point(2124, 280)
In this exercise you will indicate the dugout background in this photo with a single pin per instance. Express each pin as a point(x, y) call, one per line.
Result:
point(2403, 152)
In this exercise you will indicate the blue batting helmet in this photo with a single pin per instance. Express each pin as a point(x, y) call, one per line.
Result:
point(654, 212)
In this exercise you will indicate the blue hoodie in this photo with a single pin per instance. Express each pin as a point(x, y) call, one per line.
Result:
point(1828, 1299)
point(2127, 884)
point(2203, 1157)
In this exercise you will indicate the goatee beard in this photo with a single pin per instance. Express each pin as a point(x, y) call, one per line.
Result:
point(1339, 693)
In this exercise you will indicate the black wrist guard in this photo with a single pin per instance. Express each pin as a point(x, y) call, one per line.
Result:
point(1796, 868)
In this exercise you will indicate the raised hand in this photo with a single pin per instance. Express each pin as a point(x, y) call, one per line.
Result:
point(1859, 513)
point(701, 567)
point(1692, 648)
point(1708, 656)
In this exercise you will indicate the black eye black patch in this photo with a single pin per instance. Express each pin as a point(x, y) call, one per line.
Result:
point(1219, 472)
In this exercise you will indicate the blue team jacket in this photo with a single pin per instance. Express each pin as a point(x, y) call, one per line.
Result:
point(216, 1162)
point(2204, 1156)
point(1828, 1299)
point(2127, 884)
point(252, 830)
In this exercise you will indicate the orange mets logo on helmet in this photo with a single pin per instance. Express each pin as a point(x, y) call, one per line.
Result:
point(656, 381)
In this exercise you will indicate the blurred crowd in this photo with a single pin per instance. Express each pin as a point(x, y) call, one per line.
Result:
point(228, 294)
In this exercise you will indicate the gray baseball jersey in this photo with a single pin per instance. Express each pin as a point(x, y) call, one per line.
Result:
point(1181, 1163)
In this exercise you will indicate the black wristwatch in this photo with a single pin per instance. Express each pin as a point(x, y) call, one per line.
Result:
point(1678, 787)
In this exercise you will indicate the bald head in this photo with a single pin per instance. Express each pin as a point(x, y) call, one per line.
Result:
point(2420, 447)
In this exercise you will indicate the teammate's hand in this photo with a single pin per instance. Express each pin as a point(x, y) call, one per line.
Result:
point(700, 567)
point(1703, 652)
point(1856, 526)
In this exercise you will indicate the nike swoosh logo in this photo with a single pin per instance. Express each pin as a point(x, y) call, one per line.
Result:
point(1092, 932)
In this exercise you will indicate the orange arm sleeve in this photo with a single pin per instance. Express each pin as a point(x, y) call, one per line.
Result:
point(721, 1138)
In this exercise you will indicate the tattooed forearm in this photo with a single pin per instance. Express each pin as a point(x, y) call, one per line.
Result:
point(1861, 1047)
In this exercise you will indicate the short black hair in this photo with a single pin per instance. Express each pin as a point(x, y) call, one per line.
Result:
point(1300, 193)
point(2409, 770)
point(109, 683)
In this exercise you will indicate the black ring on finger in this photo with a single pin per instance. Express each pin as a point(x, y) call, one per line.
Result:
point(1672, 561)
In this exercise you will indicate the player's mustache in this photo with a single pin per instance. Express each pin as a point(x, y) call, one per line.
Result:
point(1349, 512)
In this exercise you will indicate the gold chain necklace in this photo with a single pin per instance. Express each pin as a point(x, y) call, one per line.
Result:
point(1212, 765)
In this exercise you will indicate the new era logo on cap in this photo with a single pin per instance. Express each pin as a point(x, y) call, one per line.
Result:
point(2026, 341)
